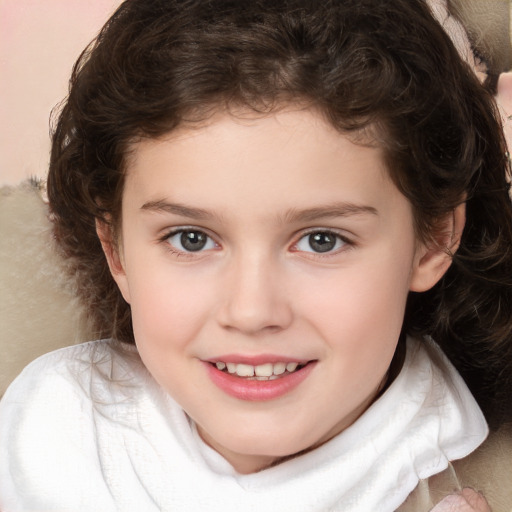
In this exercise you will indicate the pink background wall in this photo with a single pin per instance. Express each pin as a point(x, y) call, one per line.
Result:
point(39, 42)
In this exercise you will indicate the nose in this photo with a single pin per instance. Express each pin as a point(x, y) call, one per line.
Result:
point(255, 298)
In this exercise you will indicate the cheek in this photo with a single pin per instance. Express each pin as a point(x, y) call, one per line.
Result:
point(168, 316)
point(360, 315)
point(168, 308)
point(360, 299)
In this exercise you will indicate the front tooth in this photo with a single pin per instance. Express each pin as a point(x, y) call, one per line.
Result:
point(263, 370)
point(220, 365)
point(279, 368)
point(245, 370)
point(231, 367)
point(291, 367)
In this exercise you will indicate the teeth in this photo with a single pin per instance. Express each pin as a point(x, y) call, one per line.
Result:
point(266, 371)
point(279, 368)
point(291, 367)
point(263, 370)
point(244, 370)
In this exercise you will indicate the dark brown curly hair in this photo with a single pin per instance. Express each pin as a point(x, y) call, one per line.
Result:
point(382, 71)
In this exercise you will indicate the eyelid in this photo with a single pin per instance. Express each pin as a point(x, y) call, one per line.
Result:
point(342, 233)
point(167, 232)
point(348, 242)
point(180, 229)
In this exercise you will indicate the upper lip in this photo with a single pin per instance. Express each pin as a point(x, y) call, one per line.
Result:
point(256, 360)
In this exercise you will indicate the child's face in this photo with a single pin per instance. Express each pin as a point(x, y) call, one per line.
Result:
point(266, 241)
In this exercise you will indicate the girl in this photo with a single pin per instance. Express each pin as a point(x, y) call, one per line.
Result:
point(272, 210)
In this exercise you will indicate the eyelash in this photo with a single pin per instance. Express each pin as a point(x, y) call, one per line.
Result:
point(346, 243)
point(180, 253)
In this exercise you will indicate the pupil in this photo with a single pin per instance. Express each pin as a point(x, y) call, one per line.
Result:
point(322, 242)
point(193, 240)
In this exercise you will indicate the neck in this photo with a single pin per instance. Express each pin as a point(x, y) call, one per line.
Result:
point(243, 464)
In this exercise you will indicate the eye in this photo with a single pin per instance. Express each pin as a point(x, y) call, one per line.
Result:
point(190, 240)
point(320, 242)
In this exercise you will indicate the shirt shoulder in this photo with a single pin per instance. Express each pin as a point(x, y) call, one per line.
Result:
point(69, 383)
point(488, 469)
point(49, 419)
point(101, 362)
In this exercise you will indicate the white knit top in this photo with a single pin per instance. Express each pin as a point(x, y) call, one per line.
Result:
point(86, 428)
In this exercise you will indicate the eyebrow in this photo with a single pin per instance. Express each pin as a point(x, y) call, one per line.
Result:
point(162, 206)
point(333, 210)
point(328, 211)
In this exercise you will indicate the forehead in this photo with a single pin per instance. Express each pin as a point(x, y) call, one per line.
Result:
point(257, 164)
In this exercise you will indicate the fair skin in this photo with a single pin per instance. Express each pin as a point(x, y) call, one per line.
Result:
point(299, 249)
point(467, 500)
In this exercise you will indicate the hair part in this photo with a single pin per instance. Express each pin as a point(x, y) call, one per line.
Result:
point(381, 72)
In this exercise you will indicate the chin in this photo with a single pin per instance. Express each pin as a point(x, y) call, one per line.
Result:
point(267, 445)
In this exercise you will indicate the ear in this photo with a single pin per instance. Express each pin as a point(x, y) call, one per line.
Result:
point(433, 259)
point(113, 254)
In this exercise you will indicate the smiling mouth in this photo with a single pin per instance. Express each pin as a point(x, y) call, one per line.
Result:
point(262, 372)
point(268, 380)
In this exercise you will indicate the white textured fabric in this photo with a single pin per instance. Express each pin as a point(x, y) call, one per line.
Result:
point(87, 429)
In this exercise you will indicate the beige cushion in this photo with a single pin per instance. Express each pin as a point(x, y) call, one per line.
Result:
point(488, 470)
point(37, 310)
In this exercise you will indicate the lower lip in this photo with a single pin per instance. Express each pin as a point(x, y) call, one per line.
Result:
point(258, 390)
